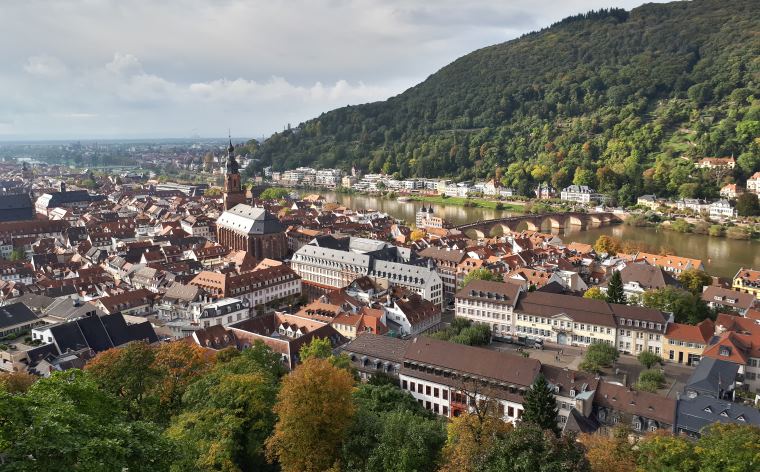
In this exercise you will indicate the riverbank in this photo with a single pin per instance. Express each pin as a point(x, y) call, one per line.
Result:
point(514, 207)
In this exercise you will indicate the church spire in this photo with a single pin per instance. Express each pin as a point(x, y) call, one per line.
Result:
point(232, 165)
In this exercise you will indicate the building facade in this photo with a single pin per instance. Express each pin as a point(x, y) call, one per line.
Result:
point(254, 230)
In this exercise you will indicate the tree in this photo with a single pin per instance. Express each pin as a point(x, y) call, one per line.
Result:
point(18, 254)
point(416, 235)
point(694, 280)
point(747, 204)
point(540, 407)
point(649, 359)
point(528, 448)
point(685, 306)
point(610, 452)
point(321, 348)
point(650, 381)
point(407, 442)
point(16, 382)
point(470, 438)
point(481, 274)
point(595, 293)
point(212, 192)
point(599, 355)
point(274, 193)
point(129, 374)
point(178, 365)
point(314, 410)
point(227, 416)
point(664, 452)
point(733, 447)
point(607, 245)
point(615, 293)
point(65, 422)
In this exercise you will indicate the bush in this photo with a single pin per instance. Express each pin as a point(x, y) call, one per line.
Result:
point(599, 355)
point(649, 359)
point(701, 227)
point(680, 225)
point(716, 230)
point(738, 232)
point(650, 381)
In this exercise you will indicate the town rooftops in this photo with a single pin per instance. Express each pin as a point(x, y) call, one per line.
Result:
point(712, 376)
point(696, 413)
point(647, 276)
point(584, 310)
point(643, 404)
point(383, 347)
point(727, 297)
point(493, 292)
point(246, 219)
point(699, 334)
point(15, 314)
point(474, 361)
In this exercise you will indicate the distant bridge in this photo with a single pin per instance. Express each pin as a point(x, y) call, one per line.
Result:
point(536, 222)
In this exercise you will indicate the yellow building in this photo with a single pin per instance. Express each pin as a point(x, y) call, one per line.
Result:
point(748, 281)
point(684, 344)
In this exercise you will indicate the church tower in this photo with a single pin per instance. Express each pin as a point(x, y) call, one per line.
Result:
point(233, 189)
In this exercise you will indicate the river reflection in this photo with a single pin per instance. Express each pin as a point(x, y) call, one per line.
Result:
point(721, 256)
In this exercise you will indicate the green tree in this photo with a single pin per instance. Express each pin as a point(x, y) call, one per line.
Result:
point(685, 306)
point(667, 453)
point(539, 405)
point(694, 280)
point(595, 293)
point(321, 348)
point(314, 410)
point(650, 381)
point(649, 359)
point(733, 447)
point(65, 422)
point(599, 355)
point(529, 448)
point(747, 204)
point(18, 254)
point(481, 274)
point(615, 293)
point(274, 193)
point(407, 442)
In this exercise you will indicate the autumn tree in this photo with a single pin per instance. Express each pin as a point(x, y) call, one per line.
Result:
point(314, 410)
point(615, 293)
point(128, 373)
point(321, 348)
point(274, 193)
point(416, 235)
point(694, 280)
point(16, 382)
point(610, 452)
point(470, 438)
point(607, 245)
point(540, 407)
point(595, 293)
point(178, 364)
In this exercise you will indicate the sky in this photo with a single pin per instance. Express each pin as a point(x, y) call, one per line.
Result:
point(88, 69)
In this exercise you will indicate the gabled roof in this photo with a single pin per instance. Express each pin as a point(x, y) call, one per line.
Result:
point(14, 314)
point(712, 376)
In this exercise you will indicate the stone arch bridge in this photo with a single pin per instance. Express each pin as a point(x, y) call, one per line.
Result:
point(510, 224)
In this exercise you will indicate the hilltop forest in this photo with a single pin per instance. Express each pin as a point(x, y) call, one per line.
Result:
point(625, 102)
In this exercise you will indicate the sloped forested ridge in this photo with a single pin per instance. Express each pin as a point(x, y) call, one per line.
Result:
point(622, 101)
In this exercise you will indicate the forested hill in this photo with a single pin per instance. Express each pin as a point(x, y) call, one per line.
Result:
point(622, 101)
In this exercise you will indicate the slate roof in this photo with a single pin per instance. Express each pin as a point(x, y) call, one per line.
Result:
point(695, 413)
point(712, 376)
point(15, 314)
point(382, 347)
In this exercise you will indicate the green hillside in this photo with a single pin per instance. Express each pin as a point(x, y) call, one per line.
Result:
point(622, 101)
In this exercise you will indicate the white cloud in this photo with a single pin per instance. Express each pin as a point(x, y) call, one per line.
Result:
point(163, 68)
point(45, 66)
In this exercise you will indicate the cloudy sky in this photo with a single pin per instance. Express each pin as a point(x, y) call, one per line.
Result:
point(177, 68)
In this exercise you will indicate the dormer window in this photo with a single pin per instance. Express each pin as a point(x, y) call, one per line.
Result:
point(708, 409)
point(741, 418)
point(724, 351)
point(724, 413)
point(572, 393)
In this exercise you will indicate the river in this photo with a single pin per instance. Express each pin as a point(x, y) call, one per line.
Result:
point(721, 256)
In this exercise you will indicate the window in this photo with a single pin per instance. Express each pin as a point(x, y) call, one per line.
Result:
point(435, 392)
point(427, 405)
point(445, 410)
point(445, 394)
point(403, 385)
point(435, 408)
point(427, 390)
point(419, 388)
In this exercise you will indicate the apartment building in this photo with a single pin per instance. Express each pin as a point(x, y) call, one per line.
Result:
point(747, 281)
point(257, 287)
point(489, 303)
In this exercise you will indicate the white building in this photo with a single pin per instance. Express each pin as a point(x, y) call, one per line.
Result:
point(329, 178)
point(753, 183)
point(334, 263)
point(722, 209)
point(489, 303)
point(580, 194)
point(222, 312)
